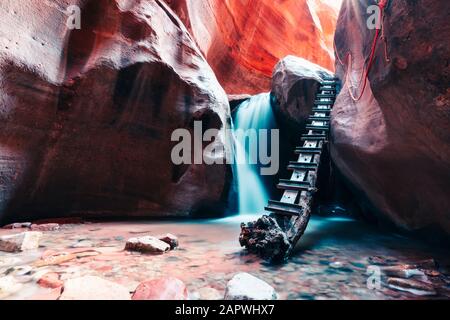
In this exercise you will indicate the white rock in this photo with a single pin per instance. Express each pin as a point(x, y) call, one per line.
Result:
point(8, 286)
point(147, 244)
point(244, 286)
point(93, 288)
point(170, 239)
point(20, 242)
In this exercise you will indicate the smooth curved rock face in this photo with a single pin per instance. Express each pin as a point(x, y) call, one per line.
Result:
point(295, 83)
point(243, 40)
point(161, 289)
point(394, 144)
point(87, 115)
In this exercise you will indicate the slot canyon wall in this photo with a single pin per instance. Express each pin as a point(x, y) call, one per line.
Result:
point(393, 145)
point(243, 40)
point(87, 115)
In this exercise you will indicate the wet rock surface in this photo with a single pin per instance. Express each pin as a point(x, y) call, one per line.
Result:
point(161, 289)
point(93, 288)
point(20, 242)
point(265, 238)
point(80, 110)
point(330, 262)
point(393, 145)
point(295, 83)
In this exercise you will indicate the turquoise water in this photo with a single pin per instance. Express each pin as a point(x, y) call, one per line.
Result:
point(253, 114)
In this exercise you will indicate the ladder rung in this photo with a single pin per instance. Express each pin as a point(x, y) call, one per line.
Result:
point(331, 96)
point(295, 185)
point(317, 128)
point(327, 89)
point(284, 208)
point(308, 150)
point(323, 103)
point(321, 110)
point(314, 118)
point(302, 166)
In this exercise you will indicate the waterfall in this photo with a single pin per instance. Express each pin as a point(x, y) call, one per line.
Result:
point(251, 116)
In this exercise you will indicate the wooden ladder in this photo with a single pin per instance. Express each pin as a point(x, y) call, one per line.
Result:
point(293, 211)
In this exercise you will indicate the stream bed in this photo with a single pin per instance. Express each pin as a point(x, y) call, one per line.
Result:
point(331, 261)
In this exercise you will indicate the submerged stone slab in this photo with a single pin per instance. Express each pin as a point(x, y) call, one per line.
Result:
point(18, 225)
point(415, 287)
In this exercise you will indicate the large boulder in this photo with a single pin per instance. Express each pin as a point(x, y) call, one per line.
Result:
point(243, 40)
point(393, 145)
point(87, 115)
point(295, 83)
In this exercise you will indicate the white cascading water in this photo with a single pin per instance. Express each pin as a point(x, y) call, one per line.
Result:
point(255, 113)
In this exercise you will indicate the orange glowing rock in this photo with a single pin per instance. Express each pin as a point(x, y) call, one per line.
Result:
point(243, 40)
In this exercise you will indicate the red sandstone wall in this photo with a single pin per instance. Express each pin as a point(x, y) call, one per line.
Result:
point(244, 39)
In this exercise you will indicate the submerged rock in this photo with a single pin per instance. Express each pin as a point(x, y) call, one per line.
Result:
point(244, 286)
point(161, 289)
point(403, 271)
point(93, 288)
point(265, 238)
point(20, 242)
point(147, 245)
point(415, 287)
